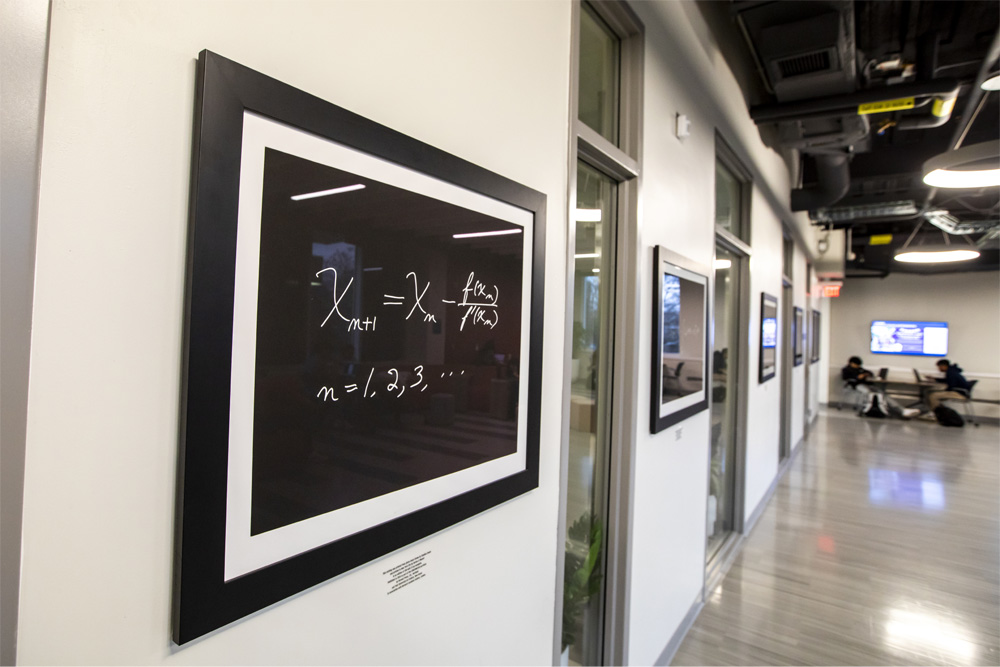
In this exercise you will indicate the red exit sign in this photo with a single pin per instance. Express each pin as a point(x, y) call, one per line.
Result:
point(829, 291)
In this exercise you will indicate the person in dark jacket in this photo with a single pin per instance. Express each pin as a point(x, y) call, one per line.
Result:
point(956, 386)
point(858, 378)
point(855, 375)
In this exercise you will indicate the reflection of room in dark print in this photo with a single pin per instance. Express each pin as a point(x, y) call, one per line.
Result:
point(328, 432)
point(671, 314)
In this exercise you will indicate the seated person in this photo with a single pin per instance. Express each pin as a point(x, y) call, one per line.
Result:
point(956, 386)
point(856, 376)
point(859, 379)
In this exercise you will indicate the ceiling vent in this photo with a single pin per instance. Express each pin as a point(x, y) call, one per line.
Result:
point(802, 65)
point(806, 49)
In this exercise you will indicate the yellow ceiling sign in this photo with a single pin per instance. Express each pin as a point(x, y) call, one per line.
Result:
point(888, 105)
point(880, 239)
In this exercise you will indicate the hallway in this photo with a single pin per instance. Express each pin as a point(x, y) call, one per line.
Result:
point(879, 547)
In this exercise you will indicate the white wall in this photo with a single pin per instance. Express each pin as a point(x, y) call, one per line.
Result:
point(763, 399)
point(685, 73)
point(487, 81)
point(968, 302)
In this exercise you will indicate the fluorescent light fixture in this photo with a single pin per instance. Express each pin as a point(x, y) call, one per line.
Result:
point(722, 264)
point(975, 166)
point(992, 83)
point(499, 232)
point(373, 268)
point(935, 255)
point(324, 193)
point(596, 270)
point(587, 255)
point(587, 215)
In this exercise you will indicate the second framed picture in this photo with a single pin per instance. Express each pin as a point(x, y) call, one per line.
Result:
point(680, 339)
point(768, 336)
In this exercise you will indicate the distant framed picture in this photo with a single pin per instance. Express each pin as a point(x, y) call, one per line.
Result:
point(814, 337)
point(768, 336)
point(363, 345)
point(798, 336)
point(680, 339)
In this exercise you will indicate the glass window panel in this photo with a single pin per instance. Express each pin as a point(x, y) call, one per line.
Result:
point(600, 53)
point(590, 407)
point(728, 202)
point(725, 361)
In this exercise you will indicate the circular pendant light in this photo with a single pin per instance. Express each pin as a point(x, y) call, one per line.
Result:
point(975, 166)
point(935, 254)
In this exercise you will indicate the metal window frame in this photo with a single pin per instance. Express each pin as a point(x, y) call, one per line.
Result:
point(621, 162)
point(739, 245)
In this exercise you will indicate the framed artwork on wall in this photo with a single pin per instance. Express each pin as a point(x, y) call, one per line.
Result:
point(363, 345)
point(680, 378)
point(768, 336)
point(798, 336)
point(814, 335)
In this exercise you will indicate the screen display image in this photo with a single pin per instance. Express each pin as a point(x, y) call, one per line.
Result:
point(929, 339)
point(683, 337)
point(769, 331)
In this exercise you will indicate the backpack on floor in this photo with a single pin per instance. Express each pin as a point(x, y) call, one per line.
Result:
point(875, 406)
point(947, 416)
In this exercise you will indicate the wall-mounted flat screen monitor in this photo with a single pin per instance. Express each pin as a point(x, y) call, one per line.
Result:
point(927, 339)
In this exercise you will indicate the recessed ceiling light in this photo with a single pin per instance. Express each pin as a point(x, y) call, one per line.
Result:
point(722, 264)
point(975, 166)
point(587, 215)
point(324, 193)
point(499, 232)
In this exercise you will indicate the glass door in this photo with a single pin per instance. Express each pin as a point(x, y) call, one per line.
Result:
point(589, 428)
point(787, 343)
point(725, 398)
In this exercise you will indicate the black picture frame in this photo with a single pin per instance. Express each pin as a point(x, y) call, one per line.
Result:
point(798, 336)
point(680, 377)
point(814, 337)
point(228, 95)
point(768, 337)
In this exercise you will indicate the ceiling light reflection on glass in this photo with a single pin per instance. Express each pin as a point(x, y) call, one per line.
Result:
point(587, 215)
point(498, 232)
point(722, 264)
point(325, 193)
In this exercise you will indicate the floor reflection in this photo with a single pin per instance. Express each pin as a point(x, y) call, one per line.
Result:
point(905, 489)
point(880, 546)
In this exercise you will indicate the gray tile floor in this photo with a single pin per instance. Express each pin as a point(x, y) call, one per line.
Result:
point(881, 546)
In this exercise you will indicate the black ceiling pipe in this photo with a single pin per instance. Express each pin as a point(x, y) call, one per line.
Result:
point(848, 104)
point(833, 180)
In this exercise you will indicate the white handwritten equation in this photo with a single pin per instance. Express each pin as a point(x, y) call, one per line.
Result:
point(479, 305)
point(392, 382)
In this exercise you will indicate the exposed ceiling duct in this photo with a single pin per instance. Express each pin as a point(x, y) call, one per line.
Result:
point(867, 91)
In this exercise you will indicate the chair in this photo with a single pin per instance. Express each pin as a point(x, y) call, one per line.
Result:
point(850, 394)
point(970, 414)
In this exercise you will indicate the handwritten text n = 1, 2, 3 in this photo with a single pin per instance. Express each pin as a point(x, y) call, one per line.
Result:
point(396, 384)
point(480, 302)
